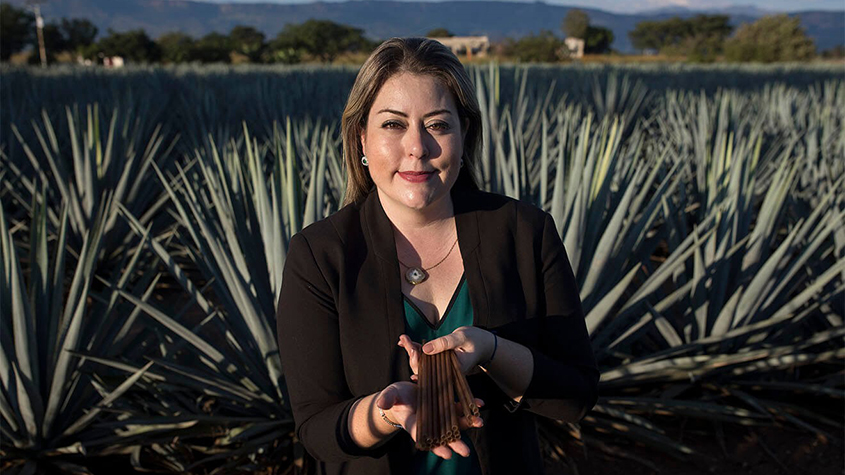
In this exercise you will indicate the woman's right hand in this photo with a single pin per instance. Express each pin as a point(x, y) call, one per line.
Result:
point(471, 345)
point(399, 403)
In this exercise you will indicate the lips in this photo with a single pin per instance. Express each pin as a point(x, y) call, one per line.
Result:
point(416, 177)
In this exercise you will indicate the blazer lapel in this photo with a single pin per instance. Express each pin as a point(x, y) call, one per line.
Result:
point(380, 237)
point(466, 221)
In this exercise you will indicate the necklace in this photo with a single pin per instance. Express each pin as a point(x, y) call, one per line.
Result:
point(417, 275)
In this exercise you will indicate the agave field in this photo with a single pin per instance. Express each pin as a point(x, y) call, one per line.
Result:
point(146, 214)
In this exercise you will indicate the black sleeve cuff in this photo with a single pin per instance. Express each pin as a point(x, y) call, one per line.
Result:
point(348, 445)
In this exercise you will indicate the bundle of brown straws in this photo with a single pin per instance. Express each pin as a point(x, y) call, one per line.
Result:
point(440, 383)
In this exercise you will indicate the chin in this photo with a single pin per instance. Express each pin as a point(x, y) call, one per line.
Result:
point(416, 204)
point(419, 201)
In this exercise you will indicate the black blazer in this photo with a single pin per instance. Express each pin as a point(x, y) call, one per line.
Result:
point(340, 315)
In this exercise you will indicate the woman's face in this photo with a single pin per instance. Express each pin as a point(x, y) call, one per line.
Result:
point(413, 142)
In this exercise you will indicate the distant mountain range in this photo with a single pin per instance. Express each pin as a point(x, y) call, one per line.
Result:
point(384, 19)
point(745, 10)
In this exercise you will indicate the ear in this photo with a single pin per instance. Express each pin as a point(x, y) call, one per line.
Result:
point(364, 140)
point(464, 129)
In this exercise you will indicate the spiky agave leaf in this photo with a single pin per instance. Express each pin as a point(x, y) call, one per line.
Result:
point(90, 161)
point(48, 398)
point(238, 211)
point(730, 302)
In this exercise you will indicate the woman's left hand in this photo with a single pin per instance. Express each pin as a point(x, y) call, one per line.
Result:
point(472, 345)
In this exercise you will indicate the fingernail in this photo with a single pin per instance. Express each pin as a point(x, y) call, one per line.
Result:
point(428, 348)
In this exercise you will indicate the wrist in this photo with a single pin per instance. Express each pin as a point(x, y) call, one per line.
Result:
point(495, 347)
point(388, 420)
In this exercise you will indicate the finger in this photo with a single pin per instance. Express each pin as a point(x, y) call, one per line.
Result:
point(442, 451)
point(471, 422)
point(477, 421)
point(408, 340)
point(460, 447)
point(447, 342)
point(388, 397)
point(405, 340)
point(413, 350)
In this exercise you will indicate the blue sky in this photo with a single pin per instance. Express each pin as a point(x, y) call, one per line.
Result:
point(630, 6)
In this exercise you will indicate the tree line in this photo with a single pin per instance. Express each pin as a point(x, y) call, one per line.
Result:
point(700, 38)
point(313, 40)
point(316, 40)
point(706, 38)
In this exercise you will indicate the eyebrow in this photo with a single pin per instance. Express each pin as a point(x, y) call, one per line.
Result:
point(400, 113)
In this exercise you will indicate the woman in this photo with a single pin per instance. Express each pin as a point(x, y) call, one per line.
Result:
point(418, 253)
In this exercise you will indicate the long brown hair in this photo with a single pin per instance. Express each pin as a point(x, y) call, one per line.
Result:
point(416, 56)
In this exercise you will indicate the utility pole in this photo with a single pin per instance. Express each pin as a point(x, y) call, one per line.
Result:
point(39, 25)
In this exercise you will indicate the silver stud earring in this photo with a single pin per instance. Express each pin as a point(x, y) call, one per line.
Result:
point(364, 160)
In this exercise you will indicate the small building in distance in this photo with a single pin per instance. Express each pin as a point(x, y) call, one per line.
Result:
point(113, 61)
point(468, 46)
point(575, 47)
point(107, 61)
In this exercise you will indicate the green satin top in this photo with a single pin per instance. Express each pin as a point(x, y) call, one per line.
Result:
point(418, 328)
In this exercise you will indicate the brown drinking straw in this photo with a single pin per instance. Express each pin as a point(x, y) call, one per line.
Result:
point(460, 389)
point(473, 407)
point(432, 401)
point(447, 398)
point(429, 402)
point(441, 398)
point(421, 403)
point(440, 382)
point(447, 422)
point(450, 397)
point(429, 408)
point(465, 395)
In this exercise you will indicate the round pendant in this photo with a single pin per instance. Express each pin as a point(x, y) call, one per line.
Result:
point(415, 276)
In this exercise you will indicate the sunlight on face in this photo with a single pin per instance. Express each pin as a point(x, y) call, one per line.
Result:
point(413, 142)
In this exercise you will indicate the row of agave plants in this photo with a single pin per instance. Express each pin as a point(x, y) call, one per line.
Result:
point(194, 101)
point(140, 276)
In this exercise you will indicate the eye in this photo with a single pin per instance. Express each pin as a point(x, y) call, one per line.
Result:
point(439, 125)
point(391, 124)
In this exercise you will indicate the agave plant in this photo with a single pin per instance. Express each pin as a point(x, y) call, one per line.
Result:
point(199, 99)
point(623, 97)
point(735, 304)
point(237, 213)
point(705, 229)
point(89, 164)
point(736, 359)
point(603, 188)
point(51, 401)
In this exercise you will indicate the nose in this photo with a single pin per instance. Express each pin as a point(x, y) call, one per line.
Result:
point(416, 142)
